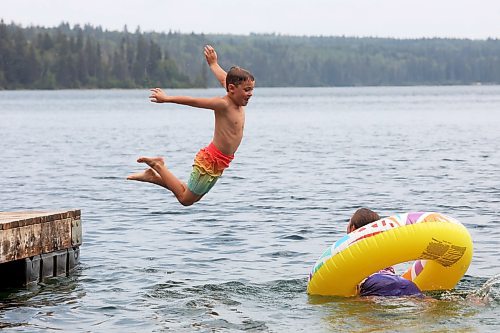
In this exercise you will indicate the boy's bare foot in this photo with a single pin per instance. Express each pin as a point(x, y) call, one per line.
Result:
point(148, 175)
point(151, 161)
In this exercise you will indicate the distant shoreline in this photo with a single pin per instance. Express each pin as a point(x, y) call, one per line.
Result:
point(76, 57)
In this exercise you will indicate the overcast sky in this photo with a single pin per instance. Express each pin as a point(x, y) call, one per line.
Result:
point(476, 19)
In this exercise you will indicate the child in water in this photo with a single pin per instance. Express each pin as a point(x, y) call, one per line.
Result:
point(385, 282)
point(210, 161)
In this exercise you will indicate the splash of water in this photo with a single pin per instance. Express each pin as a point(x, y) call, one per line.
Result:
point(485, 294)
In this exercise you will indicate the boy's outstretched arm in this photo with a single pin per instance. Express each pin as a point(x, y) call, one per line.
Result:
point(211, 57)
point(214, 103)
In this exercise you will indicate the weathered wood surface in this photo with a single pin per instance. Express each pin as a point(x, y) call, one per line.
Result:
point(26, 234)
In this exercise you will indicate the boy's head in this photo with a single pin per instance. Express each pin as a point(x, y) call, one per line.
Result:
point(360, 218)
point(239, 85)
point(238, 75)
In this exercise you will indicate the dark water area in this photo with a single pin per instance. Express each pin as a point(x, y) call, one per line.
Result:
point(239, 259)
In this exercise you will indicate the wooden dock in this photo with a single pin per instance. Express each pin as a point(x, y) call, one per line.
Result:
point(36, 245)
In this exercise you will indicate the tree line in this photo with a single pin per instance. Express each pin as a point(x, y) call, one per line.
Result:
point(90, 57)
point(76, 57)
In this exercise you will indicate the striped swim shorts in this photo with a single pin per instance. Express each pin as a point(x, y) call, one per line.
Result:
point(208, 166)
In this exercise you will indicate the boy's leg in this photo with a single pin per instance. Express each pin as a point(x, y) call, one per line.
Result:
point(169, 181)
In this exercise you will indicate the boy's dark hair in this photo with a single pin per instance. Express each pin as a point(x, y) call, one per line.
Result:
point(237, 75)
point(362, 217)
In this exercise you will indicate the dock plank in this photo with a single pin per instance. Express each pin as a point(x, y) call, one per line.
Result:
point(26, 234)
point(9, 220)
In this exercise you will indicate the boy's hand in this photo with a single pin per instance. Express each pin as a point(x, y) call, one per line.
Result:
point(158, 96)
point(210, 55)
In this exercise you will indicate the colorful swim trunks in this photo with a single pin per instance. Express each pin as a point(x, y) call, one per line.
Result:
point(208, 166)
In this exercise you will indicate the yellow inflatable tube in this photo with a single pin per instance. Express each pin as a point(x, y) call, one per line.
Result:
point(441, 246)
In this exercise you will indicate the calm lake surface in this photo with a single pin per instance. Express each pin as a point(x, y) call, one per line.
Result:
point(239, 259)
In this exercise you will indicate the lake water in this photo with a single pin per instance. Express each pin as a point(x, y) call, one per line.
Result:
point(239, 259)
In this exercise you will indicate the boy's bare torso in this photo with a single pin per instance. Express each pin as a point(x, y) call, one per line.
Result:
point(229, 125)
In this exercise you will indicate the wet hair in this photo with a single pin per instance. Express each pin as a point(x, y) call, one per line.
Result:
point(238, 75)
point(362, 217)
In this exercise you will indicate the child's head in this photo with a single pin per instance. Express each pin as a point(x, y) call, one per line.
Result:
point(360, 218)
point(238, 75)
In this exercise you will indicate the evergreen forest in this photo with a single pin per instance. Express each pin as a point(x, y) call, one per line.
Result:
point(73, 57)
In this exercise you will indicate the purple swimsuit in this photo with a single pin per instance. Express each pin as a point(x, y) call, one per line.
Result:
point(387, 283)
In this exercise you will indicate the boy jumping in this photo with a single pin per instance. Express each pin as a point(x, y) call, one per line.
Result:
point(210, 161)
